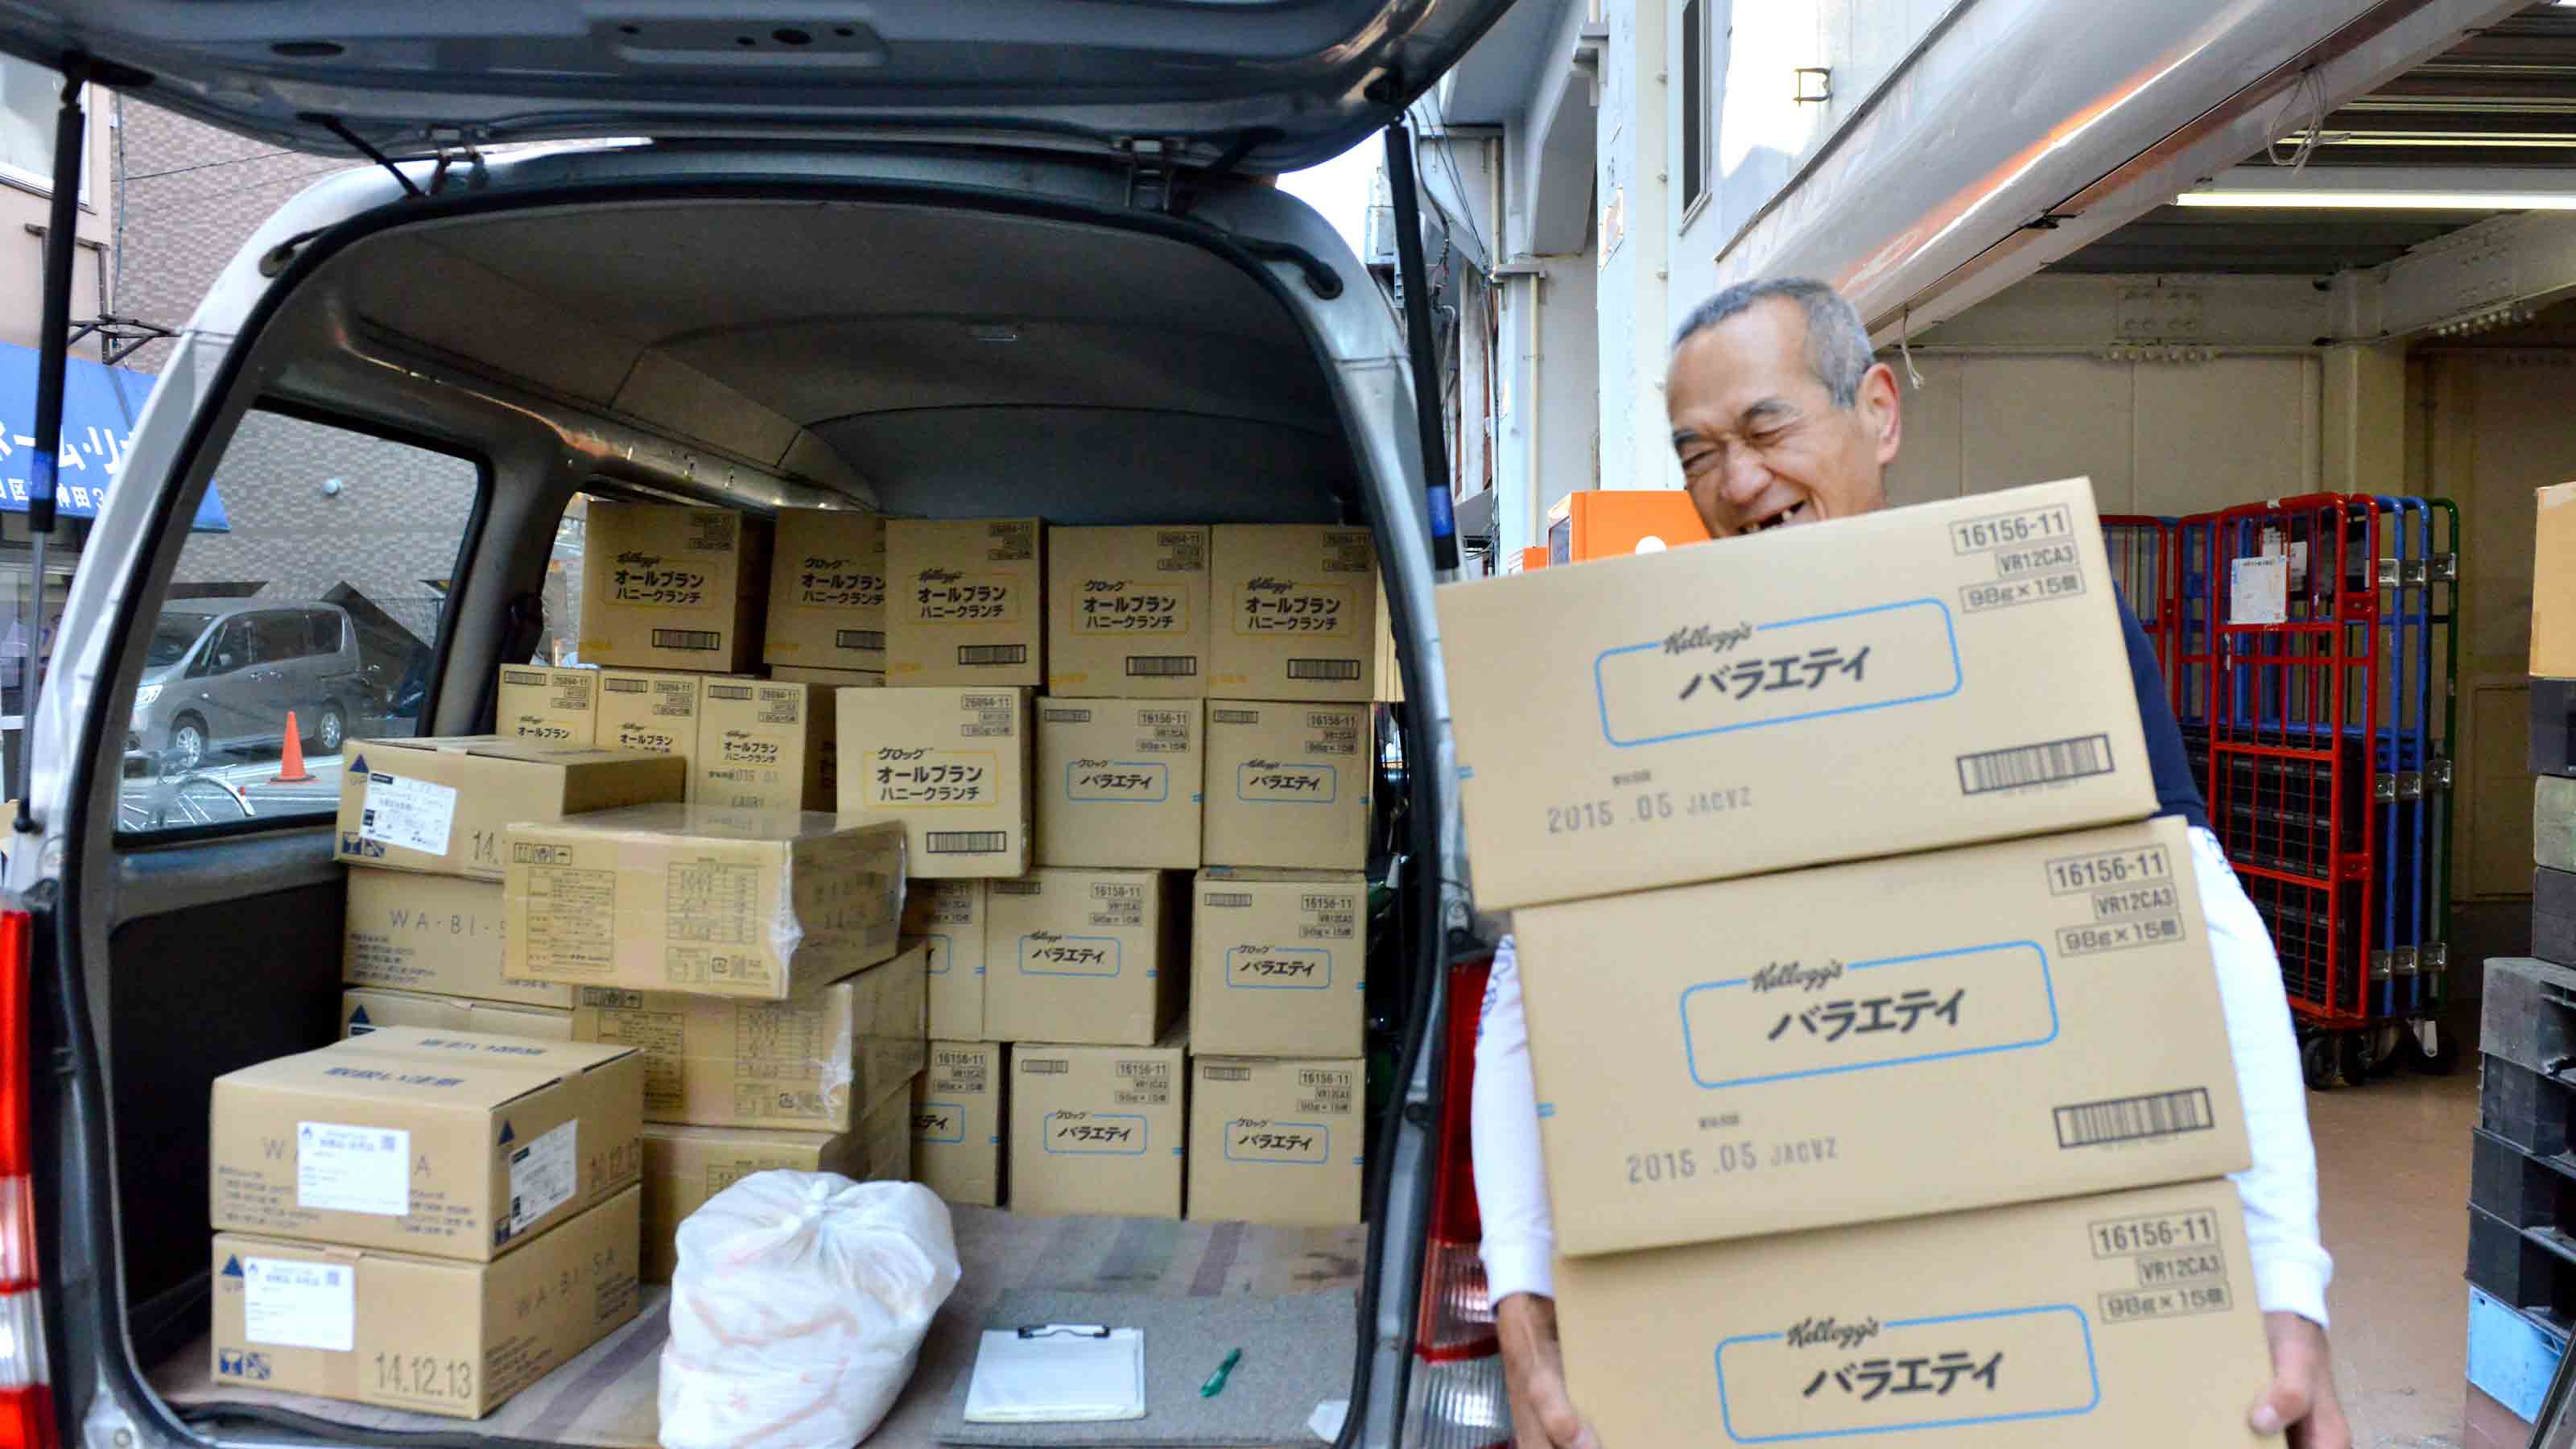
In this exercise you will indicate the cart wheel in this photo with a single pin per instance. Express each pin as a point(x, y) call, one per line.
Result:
point(2352, 1057)
point(2316, 1062)
point(2389, 1046)
point(2442, 1060)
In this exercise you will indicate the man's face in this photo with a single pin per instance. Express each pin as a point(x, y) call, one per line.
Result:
point(1761, 443)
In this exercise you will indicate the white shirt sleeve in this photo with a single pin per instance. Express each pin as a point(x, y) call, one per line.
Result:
point(1511, 1190)
point(2291, 1268)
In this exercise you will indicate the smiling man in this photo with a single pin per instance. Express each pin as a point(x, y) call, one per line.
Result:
point(1782, 417)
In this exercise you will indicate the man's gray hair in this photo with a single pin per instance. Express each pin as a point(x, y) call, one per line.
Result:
point(1838, 349)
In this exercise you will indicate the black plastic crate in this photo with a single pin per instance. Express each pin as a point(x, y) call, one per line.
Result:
point(2518, 1270)
point(2528, 1016)
point(2523, 1107)
point(2553, 916)
point(2553, 726)
point(2524, 1190)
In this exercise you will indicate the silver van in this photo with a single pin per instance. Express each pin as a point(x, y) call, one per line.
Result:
point(971, 261)
point(221, 675)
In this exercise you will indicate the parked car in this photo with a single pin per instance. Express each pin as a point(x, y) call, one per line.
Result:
point(222, 676)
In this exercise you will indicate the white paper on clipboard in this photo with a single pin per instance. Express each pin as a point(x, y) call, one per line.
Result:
point(2258, 590)
point(1057, 1377)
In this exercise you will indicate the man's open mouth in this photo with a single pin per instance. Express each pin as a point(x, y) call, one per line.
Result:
point(1799, 512)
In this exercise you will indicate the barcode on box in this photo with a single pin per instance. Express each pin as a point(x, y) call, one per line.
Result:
point(2128, 1119)
point(966, 842)
point(1226, 900)
point(687, 639)
point(1016, 888)
point(522, 676)
point(1234, 716)
point(626, 686)
point(2039, 764)
point(858, 638)
point(1162, 666)
point(1045, 1066)
point(1068, 716)
point(1226, 1074)
point(728, 691)
point(992, 654)
point(1347, 669)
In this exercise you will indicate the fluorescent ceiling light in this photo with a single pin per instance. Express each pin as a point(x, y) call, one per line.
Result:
point(2388, 188)
point(2302, 199)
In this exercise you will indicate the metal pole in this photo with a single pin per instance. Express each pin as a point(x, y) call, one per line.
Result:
point(53, 348)
point(1409, 271)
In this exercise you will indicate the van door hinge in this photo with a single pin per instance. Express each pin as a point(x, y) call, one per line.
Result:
point(1151, 167)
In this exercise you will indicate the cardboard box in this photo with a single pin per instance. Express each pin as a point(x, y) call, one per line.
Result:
point(453, 1144)
point(1275, 1141)
point(761, 904)
point(964, 602)
point(827, 592)
point(1300, 610)
point(366, 1009)
point(1128, 612)
point(652, 712)
point(1082, 956)
point(2038, 1018)
point(817, 1063)
point(1098, 1129)
point(673, 588)
point(559, 706)
point(2126, 1321)
point(947, 917)
point(957, 1122)
point(1288, 785)
point(952, 765)
point(1278, 962)
point(833, 678)
point(1909, 680)
point(1119, 782)
point(418, 1333)
point(765, 745)
point(439, 803)
point(684, 1166)
point(2553, 584)
point(432, 933)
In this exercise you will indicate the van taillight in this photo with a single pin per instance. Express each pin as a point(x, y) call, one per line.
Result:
point(1457, 1399)
point(26, 1398)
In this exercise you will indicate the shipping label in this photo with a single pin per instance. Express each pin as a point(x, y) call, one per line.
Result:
point(1272, 607)
point(545, 1172)
point(1706, 679)
point(1294, 1144)
point(934, 779)
point(1095, 1134)
point(1792, 1019)
point(300, 1305)
point(1833, 1377)
point(340, 1168)
point(413, 814)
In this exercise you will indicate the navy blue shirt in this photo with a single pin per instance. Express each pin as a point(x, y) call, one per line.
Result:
point(2177, 792)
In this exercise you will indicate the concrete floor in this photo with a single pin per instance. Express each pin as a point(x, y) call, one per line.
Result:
point(2393, 1182)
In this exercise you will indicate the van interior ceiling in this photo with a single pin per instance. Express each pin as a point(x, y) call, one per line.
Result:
point(917, 358)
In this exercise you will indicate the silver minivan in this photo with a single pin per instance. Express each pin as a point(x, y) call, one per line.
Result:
point(223, 675)
point(975, 261)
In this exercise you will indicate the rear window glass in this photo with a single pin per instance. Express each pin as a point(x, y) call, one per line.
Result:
point(320, 602)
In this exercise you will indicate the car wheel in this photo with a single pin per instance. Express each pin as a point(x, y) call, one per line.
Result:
point(187, 745)
point(330, 731)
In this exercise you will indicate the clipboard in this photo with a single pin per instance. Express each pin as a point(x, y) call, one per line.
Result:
point(1057, 1373)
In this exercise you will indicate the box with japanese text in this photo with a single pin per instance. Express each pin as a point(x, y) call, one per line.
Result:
point(957, 1121)
point(666, 587)
point(365, 1009)
point(1118, 782)
point(1276, 1141)
point(439, 803)
point(763, 904)
point(2032, 1019)
point(1908, 680)
point(1082, 956)
point(1300, 613)
point(436, 933)
point(965, 602)
point(1278, 962)
point(1287, 785)
point(2125, 1321)
point(947, 918)
point(952, 765)
point(559, 706)
point(453, 1144)
point(652, 712)
point(684, 1166)
point(827, 591)
point(1098, 1129)
point(765, 745)
point(829, 678)
point(422, 1334)
point(814, 1064)
point(1128, 612)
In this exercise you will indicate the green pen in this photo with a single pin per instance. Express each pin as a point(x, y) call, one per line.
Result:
point(1215, 1384)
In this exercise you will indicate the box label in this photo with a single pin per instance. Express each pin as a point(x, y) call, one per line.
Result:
point(1277, 968)
point(946, 596)
point(544, 1173)
point(1294, 1144)
point(1274, 607)
point(1095, 1134)
point(571, 910)
point(650, 579)
point(1044, 953)
point(414, 814)
point(1703, 679)
point(352, 1169)
point(939, 1123)
point(1116, 606)
point(932, 778)
point(300, 1305)
point(1118, 782)
point(1834, 1377)
point(836, 583)
point(1797, 1019)
point(1284, 782)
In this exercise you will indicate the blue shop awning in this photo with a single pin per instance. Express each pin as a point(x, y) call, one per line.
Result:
point(100, 404)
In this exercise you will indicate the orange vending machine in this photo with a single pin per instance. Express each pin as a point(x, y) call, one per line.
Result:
point(1605, 523)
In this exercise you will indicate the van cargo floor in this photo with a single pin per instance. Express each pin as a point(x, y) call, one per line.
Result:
point(607, 1396)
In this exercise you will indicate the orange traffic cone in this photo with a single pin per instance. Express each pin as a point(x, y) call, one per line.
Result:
point(290, 765)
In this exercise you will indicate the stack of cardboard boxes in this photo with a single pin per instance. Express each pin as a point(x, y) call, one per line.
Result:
point(1927, 1140)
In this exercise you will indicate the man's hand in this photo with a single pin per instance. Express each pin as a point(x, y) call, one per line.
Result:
point(1534, 1371)
point(2301, 1400)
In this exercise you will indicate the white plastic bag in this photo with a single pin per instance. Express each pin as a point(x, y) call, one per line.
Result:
point(797, 1310)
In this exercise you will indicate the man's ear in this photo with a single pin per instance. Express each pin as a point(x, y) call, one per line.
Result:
point(1882, 408)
